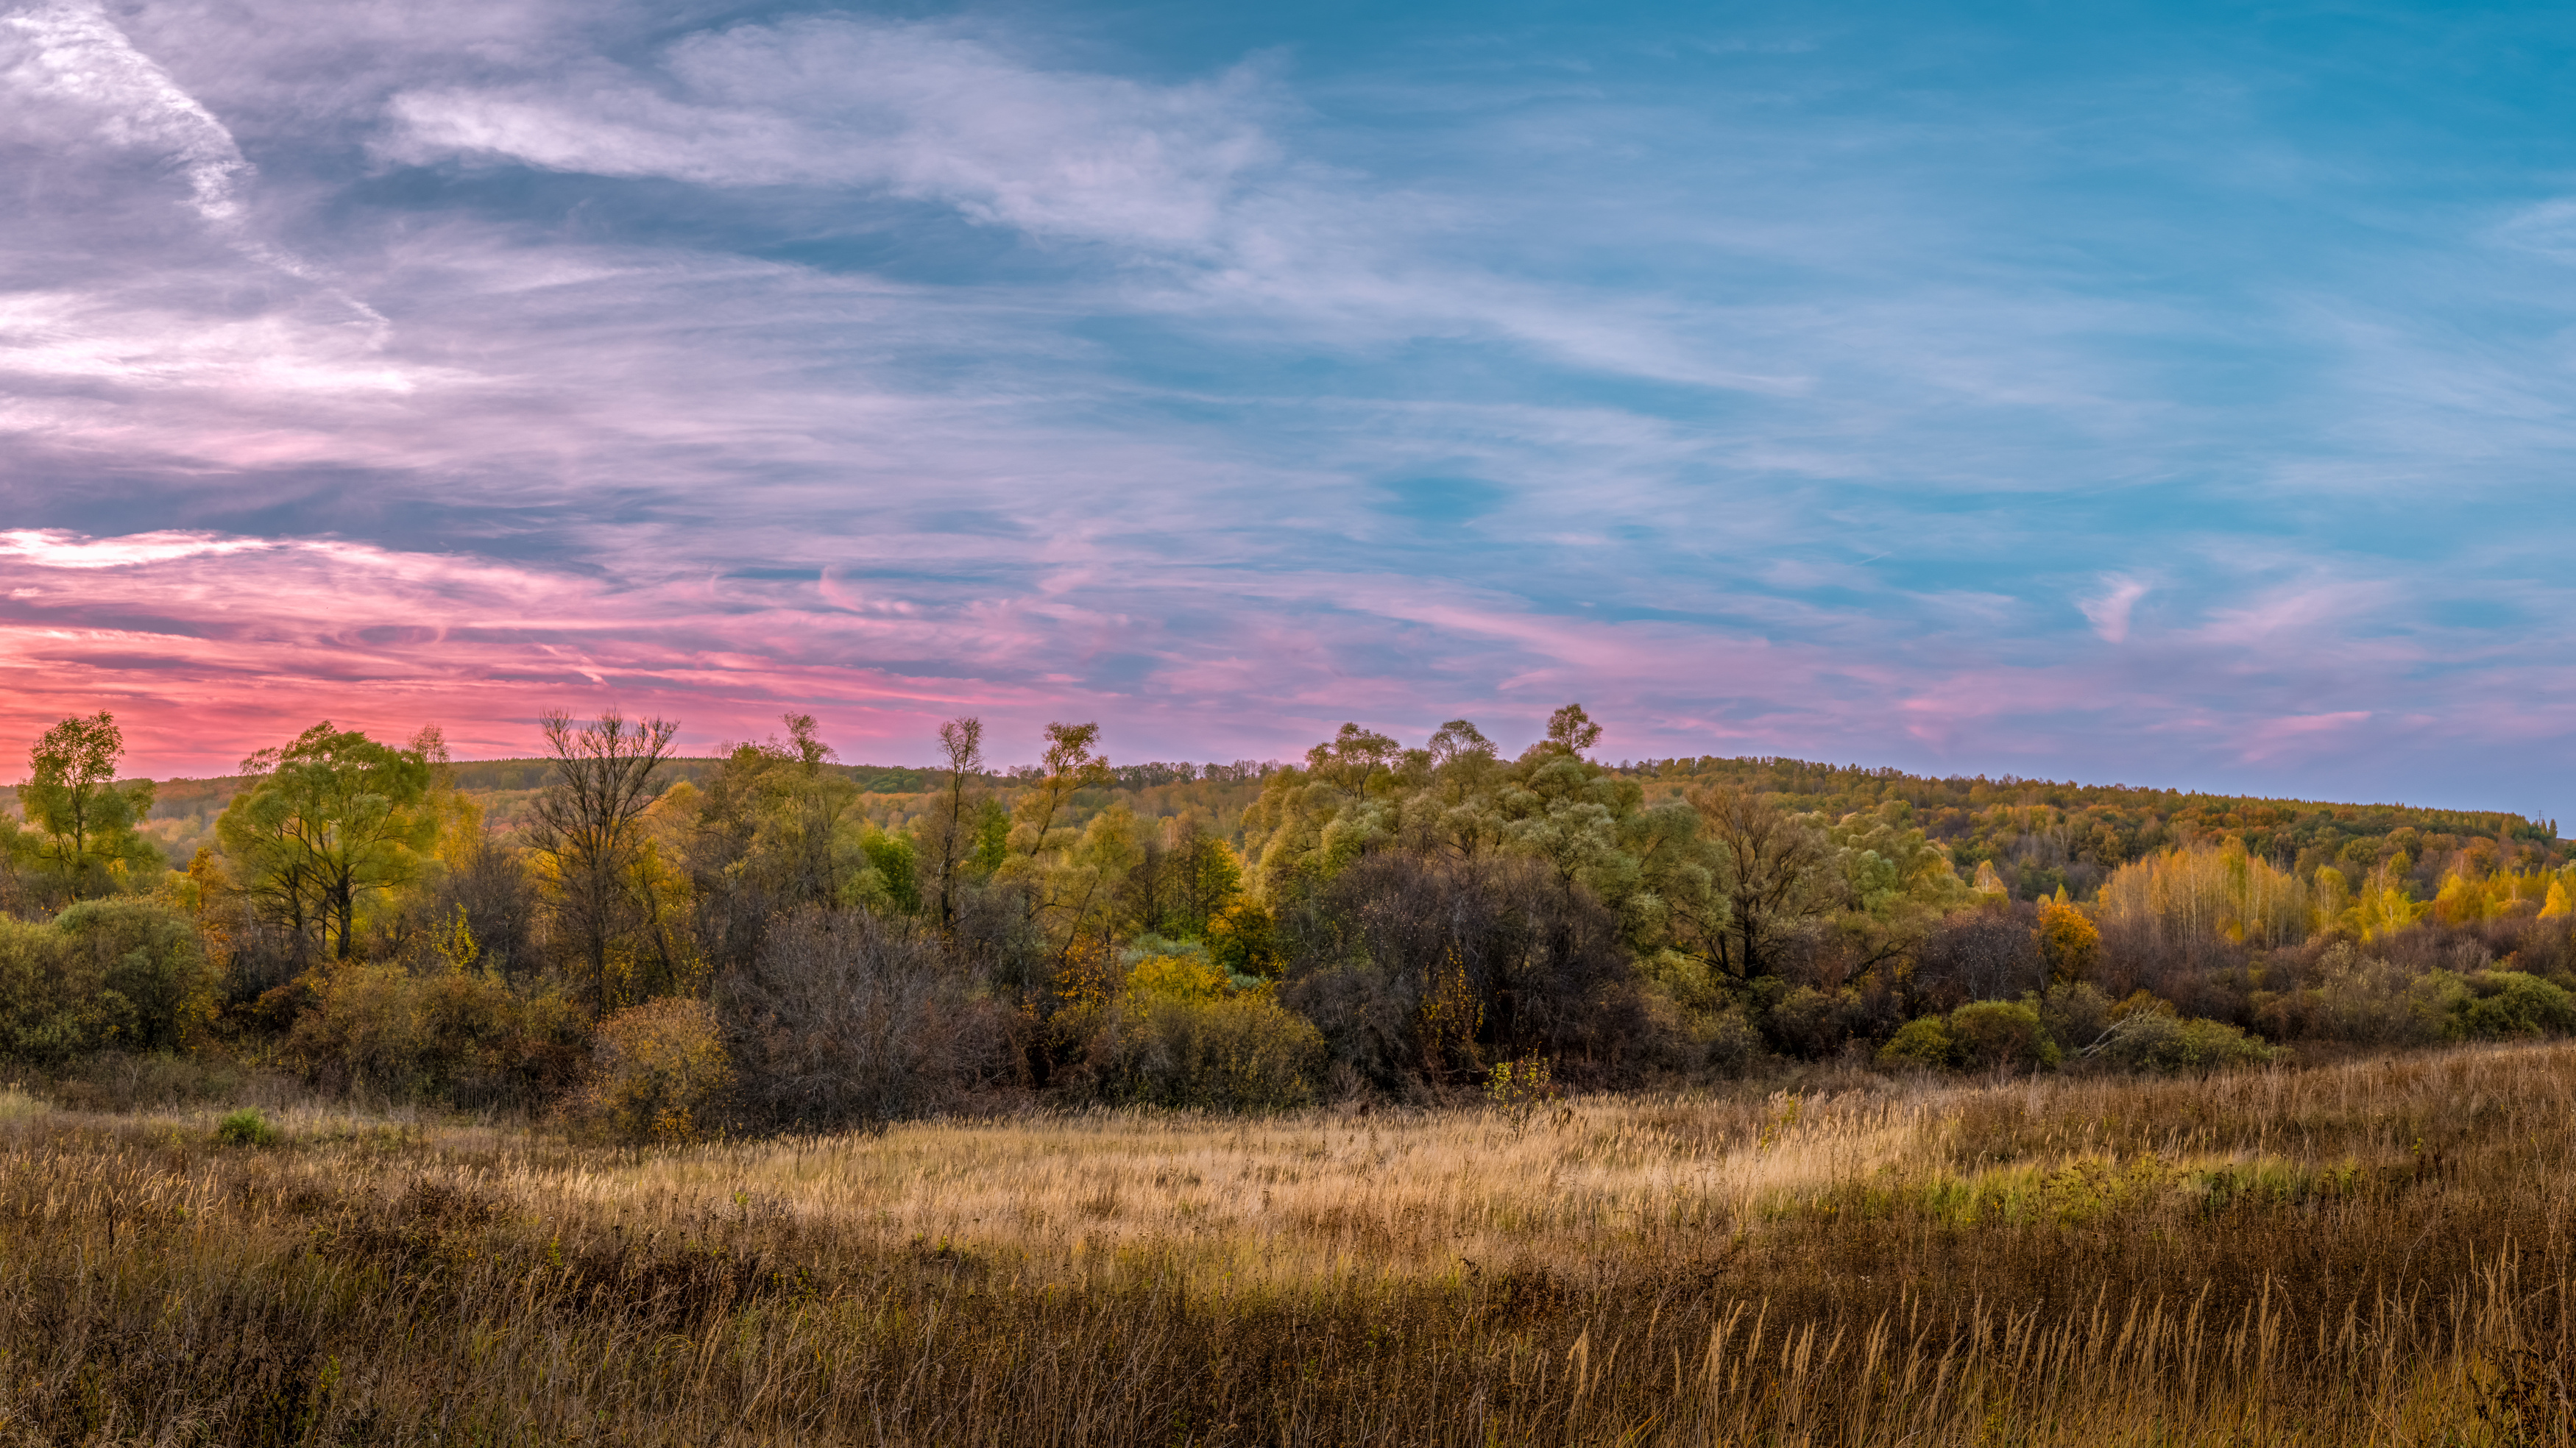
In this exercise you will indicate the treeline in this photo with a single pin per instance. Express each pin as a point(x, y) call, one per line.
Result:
point(2043, 835)
point(657, 948)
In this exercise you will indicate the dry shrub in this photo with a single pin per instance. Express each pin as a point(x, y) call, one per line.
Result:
point(661, 1074)
point(847, 1018)
point(2366, 1000)
point(1987, 953)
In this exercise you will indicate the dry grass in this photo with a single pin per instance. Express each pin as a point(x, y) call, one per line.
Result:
point(2373, 1252)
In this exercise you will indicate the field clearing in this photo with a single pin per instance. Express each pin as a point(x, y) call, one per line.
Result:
point(2376, 1251)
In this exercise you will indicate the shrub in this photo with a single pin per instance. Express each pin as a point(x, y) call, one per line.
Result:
point(1244, 939)
point(2075, 1015)
point(1724, 1042)
point(458, 1035)
point(1180, 974)
point(2001, 1034)
point(660, 1073)
point(1812, 1023)
point(246, 1127)
point(1924, 1041)
point(2371, 1002)
point(846, 1017)
point(2158, 1040)
point(41, 1020)
point(1984, 953)
point(2494, 1005)
point(1181, 1034)
point(130, 973)
point(1977, 1036)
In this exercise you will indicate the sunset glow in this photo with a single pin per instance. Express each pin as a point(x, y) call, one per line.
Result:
point(2173, 397)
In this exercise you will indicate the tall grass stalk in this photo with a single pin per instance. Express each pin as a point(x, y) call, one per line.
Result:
point(2376, 1252)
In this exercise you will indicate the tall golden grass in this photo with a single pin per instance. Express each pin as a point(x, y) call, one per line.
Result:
point(2373, 1252)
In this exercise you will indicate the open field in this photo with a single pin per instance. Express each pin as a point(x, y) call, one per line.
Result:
point(2372, 1252)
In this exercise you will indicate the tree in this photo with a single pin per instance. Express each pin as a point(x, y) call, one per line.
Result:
point(2068, 940)
point(1771, 877)
point(84, 821)
point(1070, 763)
point(961, 742)
point(333, 818)
point(1353, 757)
point(1572, 730)
point(588, 824)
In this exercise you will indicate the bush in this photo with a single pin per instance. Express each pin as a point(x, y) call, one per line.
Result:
point(2001, 1034)
point(1227, 1052)
point(2496, 1005)
point(246, 1127)
point(848, 1018)
point(456, 1035)
point(1723, 1042)
point(1923, 1042)
point(1981, 1035)
point(1812, 1023)
point(2075, 1015)
point(2158, 1040)
point(1979, 954)
point(661, 1073)
point(2370, 1002)
point(40, 1019)
point(129, 973)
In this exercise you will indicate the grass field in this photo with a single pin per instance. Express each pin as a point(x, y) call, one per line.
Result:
point(2371, 1252)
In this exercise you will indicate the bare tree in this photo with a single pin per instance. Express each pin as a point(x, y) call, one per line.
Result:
point(588, 820)
point(962, 742)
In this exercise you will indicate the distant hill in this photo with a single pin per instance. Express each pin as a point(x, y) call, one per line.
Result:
point(2040, 833)
point(2044, 833)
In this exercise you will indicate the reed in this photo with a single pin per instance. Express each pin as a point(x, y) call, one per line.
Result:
point(2378, 1251)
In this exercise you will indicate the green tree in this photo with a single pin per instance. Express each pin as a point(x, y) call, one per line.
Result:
point(1773, 875)
point(83, 821)
point(1070, 763)
point(1571, 730)
point(332, 819)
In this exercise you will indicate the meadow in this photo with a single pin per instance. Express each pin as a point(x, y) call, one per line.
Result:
point(2372, 1251)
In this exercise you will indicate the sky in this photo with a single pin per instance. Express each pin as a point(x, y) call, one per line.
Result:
point(2172, 395)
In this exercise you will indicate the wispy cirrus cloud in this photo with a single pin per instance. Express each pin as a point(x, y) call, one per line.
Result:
point(1767, 389)
point(67, 69)
point(918, 111)
point(2109, 609)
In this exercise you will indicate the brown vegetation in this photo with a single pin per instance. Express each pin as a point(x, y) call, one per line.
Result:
point(2374, 1252)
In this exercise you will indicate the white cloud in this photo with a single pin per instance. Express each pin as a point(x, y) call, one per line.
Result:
point(1187, 180)
point(911, 110)
point(53, 548)
point(72, 61)
point(2109, 610)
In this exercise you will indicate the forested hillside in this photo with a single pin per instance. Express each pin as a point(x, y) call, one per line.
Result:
point(2040, 834)
point(646, 944)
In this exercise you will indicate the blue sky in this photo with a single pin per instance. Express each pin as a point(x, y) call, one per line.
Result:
point(2171, 395)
